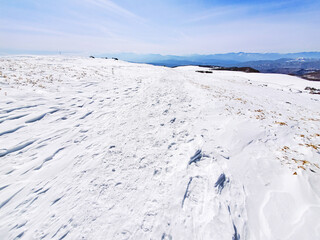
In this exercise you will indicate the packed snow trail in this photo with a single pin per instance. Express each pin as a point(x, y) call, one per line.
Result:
point(104, 149)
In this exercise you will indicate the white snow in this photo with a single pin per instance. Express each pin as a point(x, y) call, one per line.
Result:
point(104, 149)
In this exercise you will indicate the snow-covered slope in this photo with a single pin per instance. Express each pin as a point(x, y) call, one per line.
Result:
point(104, 149)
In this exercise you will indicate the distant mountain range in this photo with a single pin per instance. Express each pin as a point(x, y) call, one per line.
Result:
point(212, 59)
point(299, 64)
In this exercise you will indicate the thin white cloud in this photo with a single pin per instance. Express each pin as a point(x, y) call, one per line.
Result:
point(234, 10)
point(216, 12)
point(112, 7)
point(25, 28)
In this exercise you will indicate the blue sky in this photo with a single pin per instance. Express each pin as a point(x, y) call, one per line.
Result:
point(159, 26)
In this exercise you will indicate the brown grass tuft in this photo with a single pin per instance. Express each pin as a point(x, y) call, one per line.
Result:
point(313, 146)
point(280, 123)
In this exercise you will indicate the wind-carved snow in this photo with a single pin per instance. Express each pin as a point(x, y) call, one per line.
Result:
point(104, 149)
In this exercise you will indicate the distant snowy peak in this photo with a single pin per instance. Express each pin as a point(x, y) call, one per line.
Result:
point(303, 59)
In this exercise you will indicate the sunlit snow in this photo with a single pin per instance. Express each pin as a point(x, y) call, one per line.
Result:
point(105, 149)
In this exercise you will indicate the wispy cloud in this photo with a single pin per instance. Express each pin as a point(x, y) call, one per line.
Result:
point(232, 11)
point(115, 8)
point(216, 12)
point(4, 25)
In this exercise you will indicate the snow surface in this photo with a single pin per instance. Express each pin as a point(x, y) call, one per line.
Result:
point(104, 149)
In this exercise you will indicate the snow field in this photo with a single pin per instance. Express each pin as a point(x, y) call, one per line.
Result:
point(104, 149)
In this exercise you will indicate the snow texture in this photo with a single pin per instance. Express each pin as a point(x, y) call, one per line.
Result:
point(104, 149)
